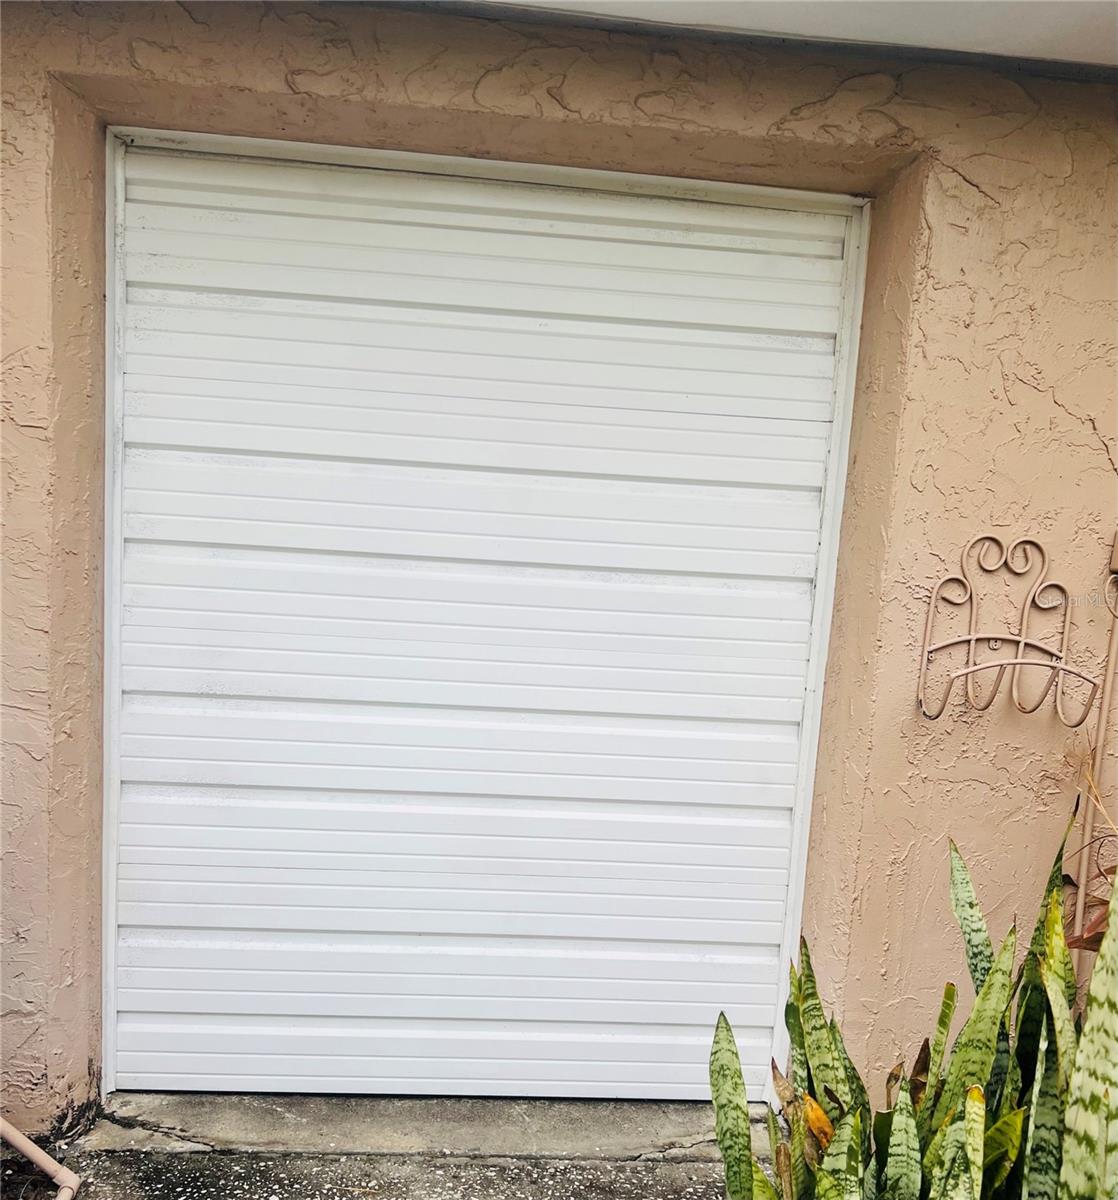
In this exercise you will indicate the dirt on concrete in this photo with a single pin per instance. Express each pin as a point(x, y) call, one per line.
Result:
point(135, 1175)
point(203, 1147)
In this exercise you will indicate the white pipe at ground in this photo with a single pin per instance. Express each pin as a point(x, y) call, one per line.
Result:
point(68, 1182)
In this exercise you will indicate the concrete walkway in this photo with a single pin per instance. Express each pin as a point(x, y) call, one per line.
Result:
point(202, 1147)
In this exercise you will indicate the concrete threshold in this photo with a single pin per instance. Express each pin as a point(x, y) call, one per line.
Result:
point(470, 1128)
point(194, 1146)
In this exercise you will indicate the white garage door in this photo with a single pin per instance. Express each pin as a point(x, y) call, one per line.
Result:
point(460, 624)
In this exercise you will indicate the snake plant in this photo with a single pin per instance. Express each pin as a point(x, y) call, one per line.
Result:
point(1022, 1106)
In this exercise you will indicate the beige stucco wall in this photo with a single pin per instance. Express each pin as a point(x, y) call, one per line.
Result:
point(986, 396)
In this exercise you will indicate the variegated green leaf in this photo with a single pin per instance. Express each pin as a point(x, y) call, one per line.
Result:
point(1090, 1164)
point(1001, 1147)
point(869, 1181)
point(1032, 1011)
point(956, 1185)
point(1032, 1005)
point(917, 1081)
point(858, 1095)
point(974, 1135)
point(882, 1131)
point(762, 1186)
point(951, 1158)
point(1063, 1028)
point(1044, 1140)
point(902, 1165)
point(973, 1055)
point(731, 1112)
point(803, 1179)
point(943, 1028)
point(938, 1047)
point(1054, 883)
point(843, 1159)
point(827, 1187)
point(1010, 1096)
point(859, 1098)
point(933, 1155)
point(999, 1072)
point(827, 1070)
point(1056, 953)
point(976, 937)
point(797, 1049)
point(925, 1107)
point(773, 1130)
point(837, 1153)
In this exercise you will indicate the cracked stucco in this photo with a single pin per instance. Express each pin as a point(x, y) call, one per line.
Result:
point(986, 396)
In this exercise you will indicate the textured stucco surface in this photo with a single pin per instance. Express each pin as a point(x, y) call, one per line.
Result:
point(986, 397)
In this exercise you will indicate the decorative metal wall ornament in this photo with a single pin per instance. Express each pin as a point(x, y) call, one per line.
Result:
point(1028, 656)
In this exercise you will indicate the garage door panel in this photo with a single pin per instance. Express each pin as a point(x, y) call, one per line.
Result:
point(513, 878)
point(465, 992)
point(550, 275)
point(509, 829)
point(647, 512)
point(217, 914)
point(531, 733)
point(770, 784)
point(539, 1041)
point(457, 200)
point(266, 439)
point(563, 432)
point(460, 345)
point(529, 392)
point(758, 391)
point(587, 1079)
point(565, 365)
point(145, 852)
point(334, 614)
point(401, 242)
point(319, 1000)
point(549, 595)
point(678, 822)
point(161, 270)
point(505, 619)
point(766, 704)
point(166, 608)
point(236, 748)
point(245, 1081)
point(802, 239)
point(147, 626)
point(469, 539)
point(784, 562)
point(500, 901)
point(444, 671)
point(478, 682)
point(529, 958)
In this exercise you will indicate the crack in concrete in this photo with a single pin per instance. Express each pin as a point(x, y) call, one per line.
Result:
point(148, 1126)
point(663, 1155)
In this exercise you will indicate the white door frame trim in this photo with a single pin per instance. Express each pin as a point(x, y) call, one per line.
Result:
point(119, 138)
point(113, 554)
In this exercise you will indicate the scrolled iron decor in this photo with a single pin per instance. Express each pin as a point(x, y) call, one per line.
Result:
point(1030, 655)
